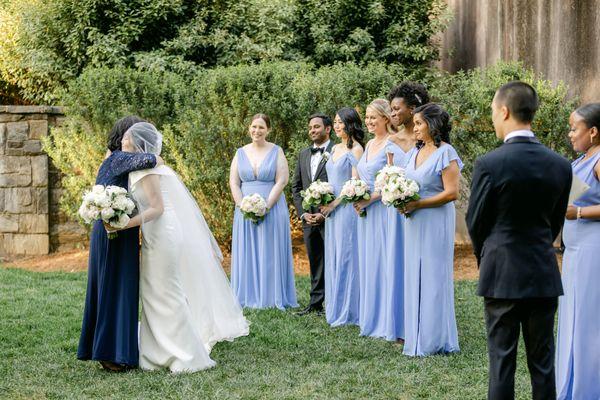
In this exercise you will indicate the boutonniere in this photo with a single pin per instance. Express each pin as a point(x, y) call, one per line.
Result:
point(325, 156)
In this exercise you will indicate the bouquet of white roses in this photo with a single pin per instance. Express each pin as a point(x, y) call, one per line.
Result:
point(111, 204)
point(355, 190)
point(396, 189)
point(254, 207)
point(317, 194)
point(384, 175)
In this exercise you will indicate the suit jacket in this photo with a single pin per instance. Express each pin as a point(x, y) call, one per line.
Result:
point(518, 200)
point(302, 177)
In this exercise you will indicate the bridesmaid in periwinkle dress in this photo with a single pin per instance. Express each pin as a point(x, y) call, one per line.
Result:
point(429, 237)
point(381, 291)
point(109, 332)
point(403, 98)
point(262, 270)
point(578, 341)
point(341, 257)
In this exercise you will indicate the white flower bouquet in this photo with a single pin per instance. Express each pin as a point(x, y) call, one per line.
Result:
point(396, 189)
point(254, 207)
point(111, 204)
point(384, 175)
point(355, 190)
point(317, 194)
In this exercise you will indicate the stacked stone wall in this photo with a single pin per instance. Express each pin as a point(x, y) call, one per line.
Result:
point(30, 220)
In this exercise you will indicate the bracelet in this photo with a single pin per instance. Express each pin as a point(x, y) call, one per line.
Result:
point(578, 212)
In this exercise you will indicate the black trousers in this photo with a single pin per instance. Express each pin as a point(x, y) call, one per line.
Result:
point(504, 319)
point(315, 248)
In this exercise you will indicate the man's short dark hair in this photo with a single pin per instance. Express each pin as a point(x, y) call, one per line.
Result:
point(324, 117)
point(520, 98)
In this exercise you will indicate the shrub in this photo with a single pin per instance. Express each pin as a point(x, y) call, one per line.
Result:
point(467, 96)
point(205, 119)
point(214, 122)
point(204, 116)
point(94, 102)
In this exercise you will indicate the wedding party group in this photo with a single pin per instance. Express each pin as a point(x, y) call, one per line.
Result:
point(378, 221)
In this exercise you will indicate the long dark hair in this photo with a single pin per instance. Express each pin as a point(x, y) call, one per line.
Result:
point(438, 121)
point(352, 126)
point(118, 130)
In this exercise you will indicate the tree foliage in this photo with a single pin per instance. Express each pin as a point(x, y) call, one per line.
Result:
point(45, 43)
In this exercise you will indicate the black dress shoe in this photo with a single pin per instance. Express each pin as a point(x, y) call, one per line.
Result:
point(310, 309)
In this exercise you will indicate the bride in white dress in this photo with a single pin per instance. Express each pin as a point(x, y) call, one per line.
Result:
point(187, 302)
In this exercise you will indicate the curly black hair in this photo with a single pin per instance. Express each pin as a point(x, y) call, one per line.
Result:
point(352, 126)
point(413, 93)
point(118, 130)
point(438, 121)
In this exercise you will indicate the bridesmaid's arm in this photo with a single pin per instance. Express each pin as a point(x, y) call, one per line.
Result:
point(235, 183)
point(450, 179)
point(281, 179)
point(589, 212)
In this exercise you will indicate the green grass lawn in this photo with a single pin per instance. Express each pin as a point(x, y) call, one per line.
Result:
point(285, 356)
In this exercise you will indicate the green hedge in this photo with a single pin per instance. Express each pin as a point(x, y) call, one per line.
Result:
point(467, 96)
point(204, 116)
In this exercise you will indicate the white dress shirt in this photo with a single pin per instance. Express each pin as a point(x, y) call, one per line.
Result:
point(519, 133)
point(315, 159)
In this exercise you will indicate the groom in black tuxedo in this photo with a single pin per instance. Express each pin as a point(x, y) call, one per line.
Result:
point(518, 200)
point(310, 168)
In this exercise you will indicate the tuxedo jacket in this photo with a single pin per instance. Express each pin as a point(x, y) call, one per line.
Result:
point(302, 177)
point(517, 206)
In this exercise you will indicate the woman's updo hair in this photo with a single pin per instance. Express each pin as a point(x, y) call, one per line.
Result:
point(118, 130)
point(352, 126)
point(264, 117)
point(382, 107)
point(590, 113)
point(438, 121)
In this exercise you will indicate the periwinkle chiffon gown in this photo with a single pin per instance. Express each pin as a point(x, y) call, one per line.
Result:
point(578, 341)
point(380, 298)
point(262, 271)
point(341, 252)
point(428, 269)
point(109, 330)
point(395, 249)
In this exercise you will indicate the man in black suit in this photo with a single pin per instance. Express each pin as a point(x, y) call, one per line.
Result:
point(518, 200)
point(311, 167)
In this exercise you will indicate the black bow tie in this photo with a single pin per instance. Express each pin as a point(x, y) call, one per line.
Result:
point(315, 150)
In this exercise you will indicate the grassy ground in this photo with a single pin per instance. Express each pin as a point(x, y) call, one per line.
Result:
point(285, 356)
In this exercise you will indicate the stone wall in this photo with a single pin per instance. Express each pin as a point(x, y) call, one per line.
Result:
point(558, 38)
point(30, 220)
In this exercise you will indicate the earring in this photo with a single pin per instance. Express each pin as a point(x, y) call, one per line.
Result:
point(591, 139)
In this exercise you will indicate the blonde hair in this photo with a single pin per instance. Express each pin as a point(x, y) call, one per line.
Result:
point(383, 109)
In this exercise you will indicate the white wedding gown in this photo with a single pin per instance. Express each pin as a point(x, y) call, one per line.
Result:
point(187, 302)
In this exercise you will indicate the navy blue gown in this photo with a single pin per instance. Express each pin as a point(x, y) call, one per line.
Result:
point(110, 320)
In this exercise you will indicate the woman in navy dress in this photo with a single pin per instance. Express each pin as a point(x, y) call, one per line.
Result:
point(109, 333)
point(262, 270)
point(578, 342)
point(341, 257)
point(430, 323)
point(381, 288)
